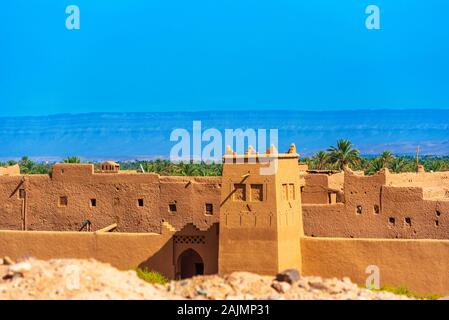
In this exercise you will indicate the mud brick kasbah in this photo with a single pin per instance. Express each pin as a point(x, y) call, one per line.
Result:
point(326, 223)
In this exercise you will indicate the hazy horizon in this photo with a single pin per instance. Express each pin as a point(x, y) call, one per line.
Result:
point(56, 114)
point(147, 134)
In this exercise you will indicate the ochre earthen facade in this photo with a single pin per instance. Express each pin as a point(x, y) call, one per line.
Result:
point(74, 193)
point(384, 205)
point(253, 218)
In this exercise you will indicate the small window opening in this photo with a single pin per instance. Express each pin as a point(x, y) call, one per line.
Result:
point(140, 202)
point(332, 197)
point(392, 221)
point(209, 208)
point(93, 202)
point(63, 201)
point(239, 192)
point(408, 222)
point(172, 207)
point(359, 210)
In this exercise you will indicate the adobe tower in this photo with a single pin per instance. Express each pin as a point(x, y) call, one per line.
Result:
point(260, 213)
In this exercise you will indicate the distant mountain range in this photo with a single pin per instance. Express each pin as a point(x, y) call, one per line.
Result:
point(122, 136)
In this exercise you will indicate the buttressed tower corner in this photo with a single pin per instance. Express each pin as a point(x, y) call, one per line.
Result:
point(260, 213)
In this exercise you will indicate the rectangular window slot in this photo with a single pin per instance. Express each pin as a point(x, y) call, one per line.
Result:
point(239, 192)
point(172, 207)
point(63, 201)
point(332, 197)
point(209, 208)
point(256, 192)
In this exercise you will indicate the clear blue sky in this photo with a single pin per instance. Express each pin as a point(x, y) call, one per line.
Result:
point(170, 55)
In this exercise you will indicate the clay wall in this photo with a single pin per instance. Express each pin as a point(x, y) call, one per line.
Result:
point(428, 260)
point(136, 202)
point(372, 208)
point(158, 252)
point(421, 179)
point(435, 185)
point(384, 205)
point(419, 265)
point(10, 203)
point(10, 170)
point(315, 189)
point(322, 188)
point(325, 220)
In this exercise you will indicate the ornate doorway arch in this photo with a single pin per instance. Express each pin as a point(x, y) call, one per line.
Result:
point(189, 264)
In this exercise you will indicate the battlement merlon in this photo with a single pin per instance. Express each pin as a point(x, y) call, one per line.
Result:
point(270, 153)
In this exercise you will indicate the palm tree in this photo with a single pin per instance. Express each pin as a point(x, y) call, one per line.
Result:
point(188, 169)
point(308, 161)
point(203, 170)
point(398, 165)
point(433, 165)
point(26, 165)
point(376, 165)
point(343, 154)
point(363, 164)
point(386, 157)
point(72, 160)
point(320, 159)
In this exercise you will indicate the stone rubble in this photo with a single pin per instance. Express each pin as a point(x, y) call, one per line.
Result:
point(289, 275)
point(58, 279)
point(245, 285)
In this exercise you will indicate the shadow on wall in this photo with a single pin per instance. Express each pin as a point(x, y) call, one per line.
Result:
point(189, 252)
point(161, 261)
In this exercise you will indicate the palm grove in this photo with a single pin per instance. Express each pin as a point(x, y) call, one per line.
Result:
point(334, 158)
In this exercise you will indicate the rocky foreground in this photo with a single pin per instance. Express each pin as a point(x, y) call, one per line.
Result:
point(90, 279)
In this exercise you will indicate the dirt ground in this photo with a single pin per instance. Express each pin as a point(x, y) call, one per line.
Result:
point(90, 279)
